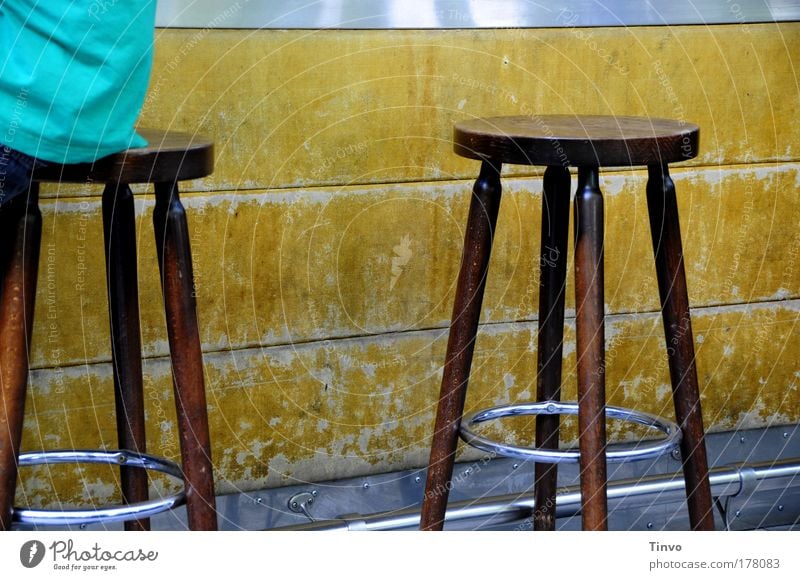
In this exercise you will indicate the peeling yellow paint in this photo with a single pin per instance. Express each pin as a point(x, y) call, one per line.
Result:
point(281, 267)
point(306, 108)
point(279, 419)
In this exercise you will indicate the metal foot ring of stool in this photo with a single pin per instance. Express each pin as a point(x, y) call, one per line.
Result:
point(639, 451)
point(105, 515)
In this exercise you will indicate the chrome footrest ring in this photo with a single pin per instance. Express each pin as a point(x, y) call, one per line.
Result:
point(103, 515)
point(627, 452)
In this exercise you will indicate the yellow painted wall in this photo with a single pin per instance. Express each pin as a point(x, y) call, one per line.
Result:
point(327, 242)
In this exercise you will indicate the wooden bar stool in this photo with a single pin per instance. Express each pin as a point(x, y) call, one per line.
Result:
point(170, 157)
point(588, 143)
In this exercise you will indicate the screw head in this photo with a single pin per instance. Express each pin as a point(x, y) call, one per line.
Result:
point(515, 466)
point(785, 435)
point(294, 504)
point(259, 500)
point(417, 479)
point(649, 525)
point(366, 485)
point(314, 493)
point(738, 513)
point(741, 439)
point(780, 508)
point(310, 500)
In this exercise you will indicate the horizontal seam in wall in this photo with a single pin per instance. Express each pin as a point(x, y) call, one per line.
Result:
point(618, 316)
point(536, 175)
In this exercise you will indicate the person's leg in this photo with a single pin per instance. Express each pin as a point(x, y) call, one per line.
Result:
point(20, 232)
point(16, 169)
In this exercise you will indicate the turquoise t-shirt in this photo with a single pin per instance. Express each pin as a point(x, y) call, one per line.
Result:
point(73, 75)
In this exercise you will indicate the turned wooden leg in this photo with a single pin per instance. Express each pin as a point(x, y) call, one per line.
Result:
point(590, 348)
point(20, 238)
point(461, 343)
point(662, 205)
point(175, 262)
point(126, 345)
point(552, 289)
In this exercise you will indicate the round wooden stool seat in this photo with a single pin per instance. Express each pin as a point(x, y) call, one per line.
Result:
point(569, 140)
point(168, 157)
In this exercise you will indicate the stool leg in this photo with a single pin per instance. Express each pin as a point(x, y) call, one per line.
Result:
point(461, 342)
point(177, 280)
point(552, 288)
point(665, 230)
point(20, 238)
point(589, 287)
point(126, 345)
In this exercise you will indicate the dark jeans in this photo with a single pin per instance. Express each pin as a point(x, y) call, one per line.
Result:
point(16, 169)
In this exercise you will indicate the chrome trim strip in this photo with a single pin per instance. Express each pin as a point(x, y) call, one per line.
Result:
point(725, 482)
point(455, 14)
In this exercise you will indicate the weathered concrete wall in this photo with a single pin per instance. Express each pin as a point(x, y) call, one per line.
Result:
point(327, 242)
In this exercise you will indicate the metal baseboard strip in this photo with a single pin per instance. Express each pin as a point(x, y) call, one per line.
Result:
point(755, 479)
point(726, 483)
